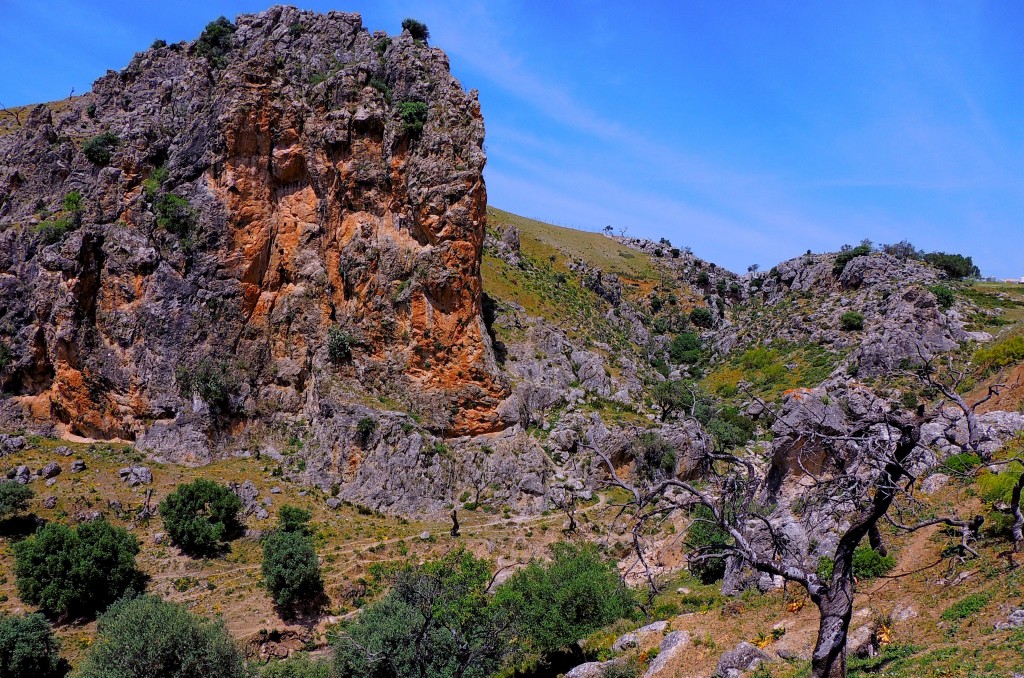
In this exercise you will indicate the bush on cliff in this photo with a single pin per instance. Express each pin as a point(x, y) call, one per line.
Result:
point(100, 149)
point(417, 29)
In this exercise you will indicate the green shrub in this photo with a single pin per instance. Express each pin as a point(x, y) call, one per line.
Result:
point(869, 563)
point(216, 41)
point(966, 607)
point(14, 498)
point(154, 182)
point(298, 666)
point(208, 379)
point(414, 115)
point(175, 215)
point(417, 29)
point(956, 266)
point(200, 515)
point(76, 571)
point(943, 295)
point(6, 356)
point(291, 571)
point(1008, 351)
point(685, 348)
point(365, 427)
point(998, 487)
point(100, 149)
point(339, 345)
point(158, 44)
point(381, 87)
point(436, 621)
point(705, 536)
point(655, 457)
point(562, 601)
point(53, 231)
point(962, 464)
point(702, 317)
point(730, 428)
point(147, 636)
point(826, 566)
point(28, 647)
point(851, 321)
point(293, 519)
point(847, 255)
point(73, 201)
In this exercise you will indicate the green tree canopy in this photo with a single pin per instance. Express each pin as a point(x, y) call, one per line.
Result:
point(147, 637)
point(565, 600)
point(14, 498)
point(291, 570)
point(200, 515)
point(417, 29)
point(28, 647)
point(76, 571)
point(437, 621)
point(702, 317)
point(673, 395)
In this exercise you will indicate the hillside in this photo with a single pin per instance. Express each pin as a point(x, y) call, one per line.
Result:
point(265, 259)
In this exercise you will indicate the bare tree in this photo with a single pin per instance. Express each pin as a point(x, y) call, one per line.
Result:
point(949, 386)
point(854, 479)
point(16, 114)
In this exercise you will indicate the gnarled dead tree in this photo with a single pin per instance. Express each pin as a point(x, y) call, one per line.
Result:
point(852, 480)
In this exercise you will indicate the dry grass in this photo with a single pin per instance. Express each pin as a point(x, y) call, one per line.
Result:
point(349, 540)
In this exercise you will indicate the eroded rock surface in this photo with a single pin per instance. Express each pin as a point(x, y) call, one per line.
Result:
point(258, 205)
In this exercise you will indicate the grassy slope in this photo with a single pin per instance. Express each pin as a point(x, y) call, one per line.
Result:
point(349, 540)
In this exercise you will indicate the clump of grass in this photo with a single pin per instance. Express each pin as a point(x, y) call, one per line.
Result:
point(966, 607)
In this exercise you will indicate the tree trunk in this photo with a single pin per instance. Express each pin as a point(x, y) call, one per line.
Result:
point(835, 609)
point(875, 539)
point(1018, 515)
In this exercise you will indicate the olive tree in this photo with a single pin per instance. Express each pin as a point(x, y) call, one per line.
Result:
point(29, 648)
point(76, 571)
point(146, 636)
point(14, 498)
point(200, 515)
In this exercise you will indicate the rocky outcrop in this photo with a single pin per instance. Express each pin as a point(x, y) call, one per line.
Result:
point(289, 219)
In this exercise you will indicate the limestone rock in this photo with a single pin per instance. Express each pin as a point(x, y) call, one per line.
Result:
point(934, 483)
point(743, 657)
point(668, 653)
point(51, 470)
point(591, 669)
point(314, 210)
point(136, 475)
point(1013, 621)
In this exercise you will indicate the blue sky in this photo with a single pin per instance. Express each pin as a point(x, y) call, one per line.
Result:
point(750, 131)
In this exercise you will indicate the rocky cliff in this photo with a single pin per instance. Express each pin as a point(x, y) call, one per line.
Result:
point(237, 237)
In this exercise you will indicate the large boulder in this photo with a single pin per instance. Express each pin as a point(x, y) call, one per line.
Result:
point(136, 475)
point(743, 657)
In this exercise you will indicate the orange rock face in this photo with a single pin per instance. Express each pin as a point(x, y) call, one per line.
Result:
point(325, 181)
